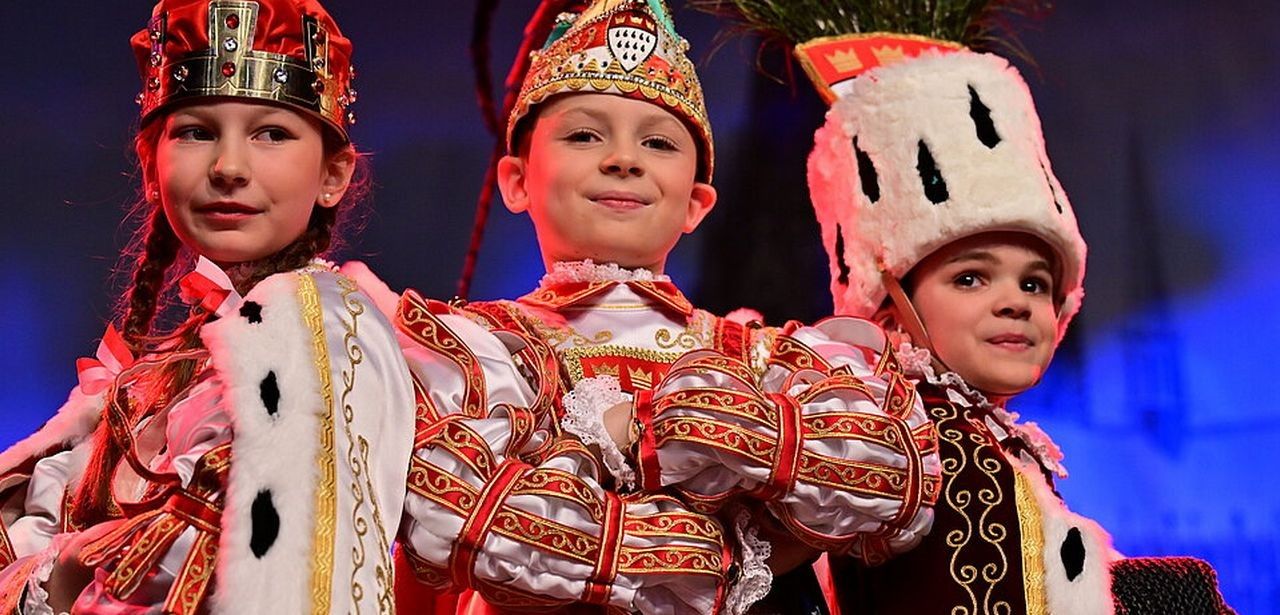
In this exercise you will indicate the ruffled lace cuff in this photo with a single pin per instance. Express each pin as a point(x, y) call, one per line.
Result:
point(755, 578)
point(36, 602)
point(584, 409)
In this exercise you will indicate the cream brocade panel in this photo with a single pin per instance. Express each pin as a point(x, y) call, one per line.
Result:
point(358, 457)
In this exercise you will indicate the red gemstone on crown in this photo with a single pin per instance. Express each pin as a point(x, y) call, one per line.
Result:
point(229, 69)
point(233, 21)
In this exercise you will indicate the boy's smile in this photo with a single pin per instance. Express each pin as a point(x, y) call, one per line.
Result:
point(607, 178)
point(987, 302)
point(621, 200)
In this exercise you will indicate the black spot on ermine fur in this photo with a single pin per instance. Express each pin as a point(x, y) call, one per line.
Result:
point(867, 173)
point(935, 187)
point(981, 115)
point(266, 524)
point(251, 311)
point(840, 262)
point(1054, 191)
point(269, 390)
point(1072, 553)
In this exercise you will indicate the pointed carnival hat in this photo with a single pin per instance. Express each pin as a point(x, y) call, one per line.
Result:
point(288, 52)
point(926, 142)
point(624, 47)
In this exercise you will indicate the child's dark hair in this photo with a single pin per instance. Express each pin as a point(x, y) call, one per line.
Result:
point(150, 259)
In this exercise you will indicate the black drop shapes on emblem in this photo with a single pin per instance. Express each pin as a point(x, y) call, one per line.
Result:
point(867, 173)
point(1054, 191)
point(251, 311)
point(1072, 553)
point(935, 188)
point(981, 115)
point(840, 264)
point(269, 390)
point(266, 524)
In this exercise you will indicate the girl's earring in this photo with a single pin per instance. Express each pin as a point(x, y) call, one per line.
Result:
point(328, 196)
point(154, 195)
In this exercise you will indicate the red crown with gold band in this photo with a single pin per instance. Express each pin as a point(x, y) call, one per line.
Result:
point(284, 51)
point(625, 47)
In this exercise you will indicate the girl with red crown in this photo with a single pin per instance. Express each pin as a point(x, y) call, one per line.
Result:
point(226, 464)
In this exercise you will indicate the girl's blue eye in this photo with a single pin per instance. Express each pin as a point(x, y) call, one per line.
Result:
point(192, 133)
point(661, 143)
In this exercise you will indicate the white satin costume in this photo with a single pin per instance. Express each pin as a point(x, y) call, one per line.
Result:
point(287, 456)
point(502, 502)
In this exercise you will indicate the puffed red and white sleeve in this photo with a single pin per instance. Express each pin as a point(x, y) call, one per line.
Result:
point(497, 504)
point(37, 473)
point(832, 438)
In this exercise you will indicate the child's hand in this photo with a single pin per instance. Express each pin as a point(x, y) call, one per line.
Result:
point(618, 420)
point(788, 552)
point(70, 576)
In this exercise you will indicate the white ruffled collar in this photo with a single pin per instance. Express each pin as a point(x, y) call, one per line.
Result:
point(918, 362)
point(589, 271)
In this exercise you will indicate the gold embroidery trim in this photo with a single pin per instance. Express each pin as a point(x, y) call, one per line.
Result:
point(555, 335)
point(610, 307)
point(326, 500)
point(1029, 523)
point(358, 457)
point(973, 505)
point(572, 357)
point(698, 333)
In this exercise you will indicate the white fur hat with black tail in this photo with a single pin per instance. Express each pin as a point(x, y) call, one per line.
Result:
point(927, 141)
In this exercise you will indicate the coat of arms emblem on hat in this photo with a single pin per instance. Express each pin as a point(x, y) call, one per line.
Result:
point(632, 39)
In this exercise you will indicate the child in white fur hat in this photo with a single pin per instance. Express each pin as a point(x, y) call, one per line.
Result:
point(943, 221)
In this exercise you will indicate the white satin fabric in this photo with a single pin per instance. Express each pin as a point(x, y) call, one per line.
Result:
point(838, 516)
point(621, 322)
point(430, 530)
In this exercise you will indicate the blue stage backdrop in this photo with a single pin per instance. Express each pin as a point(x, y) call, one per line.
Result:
point(1161, 120)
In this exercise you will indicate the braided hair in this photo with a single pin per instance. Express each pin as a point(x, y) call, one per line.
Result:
point(152, 258)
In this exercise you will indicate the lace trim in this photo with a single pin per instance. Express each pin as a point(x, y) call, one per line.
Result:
point(36, 602)
point(918, 362)
point(584, 408)
point(755, 578)
point(590, 271)
point(761, 348)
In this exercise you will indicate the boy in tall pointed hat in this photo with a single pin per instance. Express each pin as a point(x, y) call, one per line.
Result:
point(608, 382)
